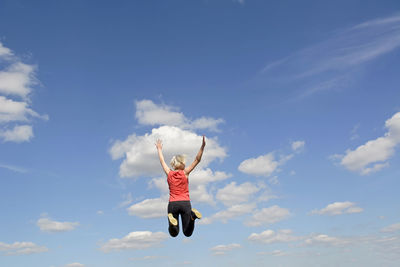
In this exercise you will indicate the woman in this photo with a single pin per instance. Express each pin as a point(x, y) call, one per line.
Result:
point(179, 200)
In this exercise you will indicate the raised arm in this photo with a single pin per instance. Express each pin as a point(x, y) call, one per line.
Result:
point(197, 159)
point(161, 157)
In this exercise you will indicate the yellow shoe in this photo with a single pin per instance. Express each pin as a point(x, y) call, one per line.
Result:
point(172, 220)
point(196, 214)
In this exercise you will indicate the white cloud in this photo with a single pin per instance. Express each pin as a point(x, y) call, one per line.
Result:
point(268, 164)
point(4, 51)
point(47, 225)
point(373, 155)
point(16, 81)
point(148, 113)
point(325, 240)
point(263, 165)
point(298, 145)
point(149, 208)
point(269, 215)
point(223, 249)
point(134, 241)
point(11, 110)
point(391, 228)
point(19, 248)
point(230, 213)
point(338, 208)
point(198, 183)
point(140, 155)
point(270, 236)
point(20, 133)
point(233, 194)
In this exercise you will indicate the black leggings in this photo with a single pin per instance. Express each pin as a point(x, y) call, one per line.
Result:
point(183, 208)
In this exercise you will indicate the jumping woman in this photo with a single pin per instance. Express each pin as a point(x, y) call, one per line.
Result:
point(179, 200)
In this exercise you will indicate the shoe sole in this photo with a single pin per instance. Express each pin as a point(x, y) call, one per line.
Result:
point(172, 220)
point(197, 213)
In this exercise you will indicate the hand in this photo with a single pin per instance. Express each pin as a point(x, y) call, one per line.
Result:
point(204, 141)
point(159, 144)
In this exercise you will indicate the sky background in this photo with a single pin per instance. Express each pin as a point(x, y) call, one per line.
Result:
point(299, 102)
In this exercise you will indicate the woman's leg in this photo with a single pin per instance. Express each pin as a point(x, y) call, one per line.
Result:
point(173, 208)
point(187, 220)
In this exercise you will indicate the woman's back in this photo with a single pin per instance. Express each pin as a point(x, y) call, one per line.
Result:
point(178, 186)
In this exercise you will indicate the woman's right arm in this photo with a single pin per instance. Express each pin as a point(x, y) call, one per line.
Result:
point(161, 156)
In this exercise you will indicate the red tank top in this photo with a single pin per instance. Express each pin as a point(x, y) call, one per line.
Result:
point(178, 186)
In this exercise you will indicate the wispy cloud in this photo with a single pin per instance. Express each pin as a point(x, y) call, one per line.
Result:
point(330, 64)
point(391, 228)
point(338, 208)
point(20, 248)
point(223, 249)
point(13, 168)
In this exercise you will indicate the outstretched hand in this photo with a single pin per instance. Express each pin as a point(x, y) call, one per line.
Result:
point(159, 144)
point(204, 141)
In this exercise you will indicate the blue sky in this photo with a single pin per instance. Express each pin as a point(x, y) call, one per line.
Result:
point(299, 103)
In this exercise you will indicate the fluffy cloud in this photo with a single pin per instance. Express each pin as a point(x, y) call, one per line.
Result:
point(269, 215)
point(266, 165)
point(338, 208)
point(141, 156)
point(223, 249)
point(149, 208)
point(19, 248)
point(374, 154)
point(134, 241)
point(18, 134)
point(263, 165)
point(199, 181)
point(148, 113)
point(233, 194)
point(270, 236)
point(47, 225)
point(391, 228)
point(231, 212)
point(16, 82)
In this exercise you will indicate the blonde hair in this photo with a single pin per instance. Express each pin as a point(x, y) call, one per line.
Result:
point(178, 162)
